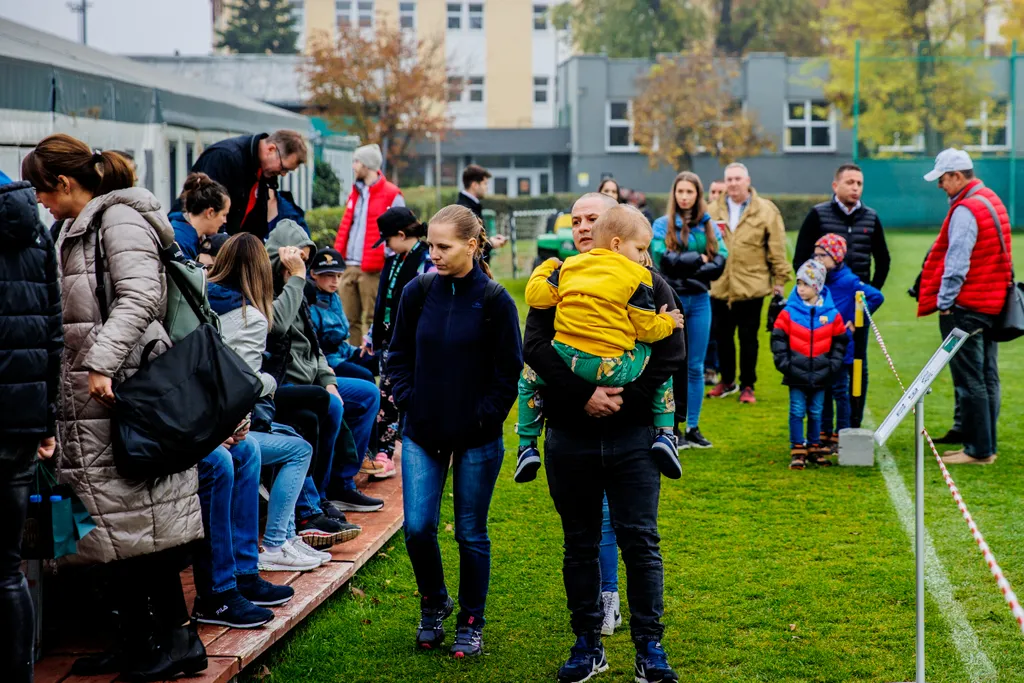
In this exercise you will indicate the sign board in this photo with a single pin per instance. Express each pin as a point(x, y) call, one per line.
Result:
point(583, 179)
point(931, 370)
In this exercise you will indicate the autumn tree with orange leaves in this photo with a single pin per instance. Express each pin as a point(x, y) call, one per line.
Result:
point(383, 86)
point(686, 108)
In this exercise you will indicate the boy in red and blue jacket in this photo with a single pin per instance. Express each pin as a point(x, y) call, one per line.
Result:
point(809, 344)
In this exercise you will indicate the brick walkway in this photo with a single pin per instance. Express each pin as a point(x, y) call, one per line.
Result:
point(231, 650)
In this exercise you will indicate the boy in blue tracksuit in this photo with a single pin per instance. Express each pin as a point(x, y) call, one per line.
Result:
point(329, 321)
point(843, 284)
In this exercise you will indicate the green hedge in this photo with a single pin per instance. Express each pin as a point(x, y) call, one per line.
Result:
point(323, 222)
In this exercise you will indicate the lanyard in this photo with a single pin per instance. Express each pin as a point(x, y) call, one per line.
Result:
point(396, 267)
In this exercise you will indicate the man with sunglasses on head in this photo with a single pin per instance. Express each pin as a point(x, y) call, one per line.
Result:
point(246, 166)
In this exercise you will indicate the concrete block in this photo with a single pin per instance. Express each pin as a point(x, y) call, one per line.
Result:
point(857, 447)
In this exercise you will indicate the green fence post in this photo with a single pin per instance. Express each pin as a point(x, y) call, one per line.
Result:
point(1013, 134)
point(856, 99)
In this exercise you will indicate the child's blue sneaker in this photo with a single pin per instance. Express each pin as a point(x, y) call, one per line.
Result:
point(586, 660)
point(528, 464)
point(665, 452)
point(652, 663)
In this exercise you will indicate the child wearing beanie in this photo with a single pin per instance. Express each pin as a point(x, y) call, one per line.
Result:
point(841, 409)
point(808, 344)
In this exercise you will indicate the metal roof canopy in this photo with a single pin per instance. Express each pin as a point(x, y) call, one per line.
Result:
point(42, 72)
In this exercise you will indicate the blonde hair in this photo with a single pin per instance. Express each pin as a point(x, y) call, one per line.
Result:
point(623, 221)
point(243, 263)
point(467, 227)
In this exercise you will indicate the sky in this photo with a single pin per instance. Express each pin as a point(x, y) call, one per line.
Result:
point(131, 27)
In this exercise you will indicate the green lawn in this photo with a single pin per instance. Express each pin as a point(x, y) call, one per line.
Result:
point(770, 575)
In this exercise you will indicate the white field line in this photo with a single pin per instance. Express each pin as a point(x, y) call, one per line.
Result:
point(976, 663)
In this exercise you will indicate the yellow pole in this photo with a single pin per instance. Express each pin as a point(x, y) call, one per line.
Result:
point(858, 363)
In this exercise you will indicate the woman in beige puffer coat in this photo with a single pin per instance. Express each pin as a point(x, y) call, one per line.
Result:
point(141, 526)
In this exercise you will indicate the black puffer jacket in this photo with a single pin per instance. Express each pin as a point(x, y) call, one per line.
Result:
point(685, 270)
point(31, 334)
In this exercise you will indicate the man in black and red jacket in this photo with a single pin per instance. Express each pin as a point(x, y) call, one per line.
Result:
point(597, 443)
point(244, 165)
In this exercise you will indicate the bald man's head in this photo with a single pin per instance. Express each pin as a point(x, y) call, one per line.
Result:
point(607, 201)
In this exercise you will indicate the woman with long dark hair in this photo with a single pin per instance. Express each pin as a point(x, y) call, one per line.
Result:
point(610, 186)
point(140, 529)
point(694, 256)
point(204, 211)
point(455, 358)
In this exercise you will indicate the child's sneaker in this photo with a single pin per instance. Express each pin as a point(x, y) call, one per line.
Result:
point(665, 452)
point(694, 439)
point(586, 660)
point(830, 441)
point(797, 457)
point(528, 464)
point(469, 640)
point(819, 454)
point(652, 663)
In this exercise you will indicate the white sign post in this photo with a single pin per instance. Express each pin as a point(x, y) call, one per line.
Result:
point(913, 399)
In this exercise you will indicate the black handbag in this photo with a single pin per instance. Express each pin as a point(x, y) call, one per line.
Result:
point(178, 407)
point(1010, 323)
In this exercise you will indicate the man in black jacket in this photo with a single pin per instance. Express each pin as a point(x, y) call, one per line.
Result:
point(31, 342)
point(598, 442)
point(861, 227)
point(474, 189)
point(245, 165)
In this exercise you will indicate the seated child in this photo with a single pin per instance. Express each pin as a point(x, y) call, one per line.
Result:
point(330, 323)
point(605, 320)
point(808, 342)
point(843, 285)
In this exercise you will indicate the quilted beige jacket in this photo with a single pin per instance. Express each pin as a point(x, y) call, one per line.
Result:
point(133, 517)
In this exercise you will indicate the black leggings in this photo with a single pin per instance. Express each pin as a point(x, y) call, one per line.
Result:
point(17, 622)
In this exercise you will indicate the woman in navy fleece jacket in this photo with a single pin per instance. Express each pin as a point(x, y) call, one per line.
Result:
point(455, 360)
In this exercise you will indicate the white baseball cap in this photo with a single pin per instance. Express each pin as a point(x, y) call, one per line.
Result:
point(949, 160)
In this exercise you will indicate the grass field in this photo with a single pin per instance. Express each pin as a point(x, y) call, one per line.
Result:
point(770, 575)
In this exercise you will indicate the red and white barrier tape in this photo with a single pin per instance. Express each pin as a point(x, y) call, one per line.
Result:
point(990, 559)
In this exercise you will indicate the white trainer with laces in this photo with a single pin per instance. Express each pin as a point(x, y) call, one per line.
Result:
point(285, 559)
point(308, 551)
point(612, 613)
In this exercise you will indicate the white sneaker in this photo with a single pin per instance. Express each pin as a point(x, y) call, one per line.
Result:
point(612, 615)
point(308, 551)
point(285, 559)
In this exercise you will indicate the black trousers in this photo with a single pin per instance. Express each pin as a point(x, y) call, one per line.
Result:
point(975, 371)
point(581, 469)
point(17, 618)
point(857, 403)
point(743, 317)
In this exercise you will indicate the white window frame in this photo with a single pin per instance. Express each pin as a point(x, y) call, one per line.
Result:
point(609, 123)
point(355, 13)
point(915, 145)
point(407, 10)
point(544, 88)
point(360, 9)
point(343, 14)
point(808, 125)
point(471, 14)
point(449, 15)
point(542, 15)
point(455, 83)
point(475, 84)
point(982, 122)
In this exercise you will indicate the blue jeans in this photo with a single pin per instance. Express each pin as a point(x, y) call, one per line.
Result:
point(697, 310)
point(839, 392)
point(609, 552)
point(356, 367)
point(423, 479)
point(293, 455)
point(805, 403)
point(362, 403)
point(229, 485)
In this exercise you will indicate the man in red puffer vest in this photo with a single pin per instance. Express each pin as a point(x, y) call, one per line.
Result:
point(965, 278)
point(359, 240)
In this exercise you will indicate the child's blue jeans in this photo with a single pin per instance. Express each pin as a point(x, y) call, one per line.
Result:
point(805, 403)
point(840, 394)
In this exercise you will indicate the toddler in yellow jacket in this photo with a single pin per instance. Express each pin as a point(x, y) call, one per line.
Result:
point(605, 321)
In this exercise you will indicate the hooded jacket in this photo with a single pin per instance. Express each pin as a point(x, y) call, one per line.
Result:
point(684, 269)
point(185, 235)
point(306, 361)
point(31, 336)
point(809, 342)
point(331, 327)
point(133, 518)
point(243, 328)
point(843, 284)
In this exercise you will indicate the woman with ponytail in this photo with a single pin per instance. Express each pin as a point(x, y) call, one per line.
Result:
point(140, 527)
point(204, 211)
point(455, 358)
point(694, 256)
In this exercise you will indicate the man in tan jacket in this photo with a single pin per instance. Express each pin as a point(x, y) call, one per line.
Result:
point(756, 267)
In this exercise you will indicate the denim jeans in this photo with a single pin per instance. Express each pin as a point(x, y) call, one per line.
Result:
point(423, 479)
point(17, 616)
point(697, 310)
point(838, 393)
point(317, 415)
point(229, 489)
point(975, 370)
point(609, 552)
point(805, 403)
point(358, 367)
point(582, 469)
point(362, 402)
point(293, 455)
